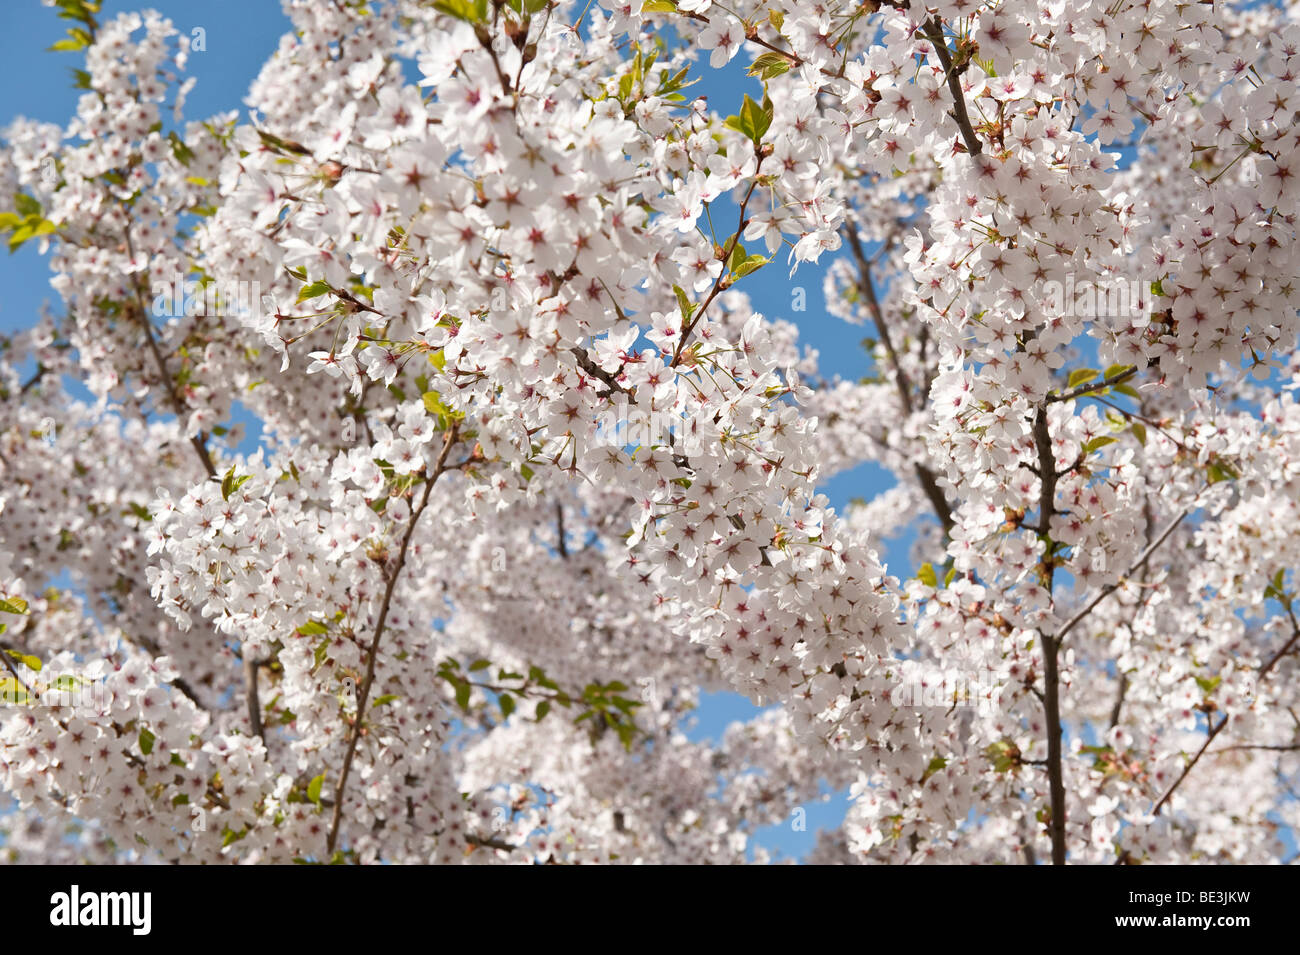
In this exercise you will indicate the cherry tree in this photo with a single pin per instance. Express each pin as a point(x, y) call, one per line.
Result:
point(534, 473)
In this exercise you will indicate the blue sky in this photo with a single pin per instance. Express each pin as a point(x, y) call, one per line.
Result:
point(239, 35)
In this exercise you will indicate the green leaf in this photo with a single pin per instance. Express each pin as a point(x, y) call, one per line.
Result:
point(16, 605)
point(1220, 470)
point(936, 764)
point(760, 117)
point(13, 692)
point(543, 708)
point(1140, 432)
point(146, 741)
point(507, 704)
point(276, 144)
point(479, 665)
point(769, 65)
point(184, 155)
point(927, 575)
point(684, 303)
point(1097, 443)
point(753, 120)
point(21, 235)
point(314, 787)
point(26, 205)
point(462, 694)
point(312, 628)
point(433, 404)
point(471, 11)
point(230, 483)
point(1116, 370)
point(385, 699)
point(658, 6)
point(738, 255)
point(751, 264)
point(313, 290)
point(1207, 684)
point(26, 659)
point(1081, 376)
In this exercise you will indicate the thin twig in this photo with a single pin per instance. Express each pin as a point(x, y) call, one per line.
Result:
point(1111, 588)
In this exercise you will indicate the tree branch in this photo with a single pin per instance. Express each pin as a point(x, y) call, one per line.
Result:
point(254, 704)
point(373, 653)
point(1218, 728)
point(200, 446)
point(1117, 379)
point(929, 484)
point(1111, 588)
point(1051, 644)
point(934, 31)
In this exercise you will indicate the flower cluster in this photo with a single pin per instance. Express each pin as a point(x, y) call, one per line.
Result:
point(444, 611)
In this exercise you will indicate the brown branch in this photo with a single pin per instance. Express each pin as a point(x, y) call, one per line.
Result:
point(561, 544)
point(721, 281)
point(1263, 672)
point(373, 653)
point(254, 704)
point(1117, 379)
point(1051, 643)
point(588, 365)
point(926, 477)
point(199, 445)
point(1119, 700)
point(1274, 748)
point(934, 31)
point(1111, 588)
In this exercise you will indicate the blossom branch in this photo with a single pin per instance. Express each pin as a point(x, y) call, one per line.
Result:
point(1111, 588)
point(929, 484)
point(1117, 379)
point(720, 282)
point(367, 682)
point(934, 31)
point(1047, 475)
point(1219, 727)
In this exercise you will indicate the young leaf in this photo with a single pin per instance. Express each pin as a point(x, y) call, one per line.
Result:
point(1081, 376)
point(230, 483)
